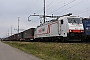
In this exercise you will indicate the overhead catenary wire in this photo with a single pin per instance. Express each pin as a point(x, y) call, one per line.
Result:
point(83, 11)
point(55, 4)
point(50, 3)
point(62, 6)
point(31, 5)
point(72, 5)
point(48, 6)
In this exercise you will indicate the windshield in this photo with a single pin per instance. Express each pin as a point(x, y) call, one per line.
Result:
point(74, 20)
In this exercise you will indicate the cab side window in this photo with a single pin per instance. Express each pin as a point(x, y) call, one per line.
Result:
point(61, 21)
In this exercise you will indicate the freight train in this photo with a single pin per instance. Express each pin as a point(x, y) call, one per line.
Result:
point(63, 28)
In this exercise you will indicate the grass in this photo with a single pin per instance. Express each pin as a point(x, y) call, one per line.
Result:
point(54, 50)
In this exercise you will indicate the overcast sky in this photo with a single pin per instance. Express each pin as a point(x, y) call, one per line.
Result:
point(11, 9)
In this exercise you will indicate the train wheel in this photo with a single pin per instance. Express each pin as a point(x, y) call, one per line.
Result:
point(64, 40)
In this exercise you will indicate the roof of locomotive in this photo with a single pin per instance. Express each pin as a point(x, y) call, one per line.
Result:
point(55, 20)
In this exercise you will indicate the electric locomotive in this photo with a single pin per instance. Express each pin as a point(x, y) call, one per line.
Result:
point(63, 28)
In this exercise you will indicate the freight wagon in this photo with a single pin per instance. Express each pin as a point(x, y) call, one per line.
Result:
point(86, 24)
point(20, 36)
point(27, 35)
point(13, 37)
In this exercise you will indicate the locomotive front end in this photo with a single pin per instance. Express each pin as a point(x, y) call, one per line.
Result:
point(76, 29)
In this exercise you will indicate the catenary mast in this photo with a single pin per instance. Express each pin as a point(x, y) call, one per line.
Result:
point(44, 11)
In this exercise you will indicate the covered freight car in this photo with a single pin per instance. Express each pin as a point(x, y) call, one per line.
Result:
point(20, 36)
point(86, 24)
point(28, 34)
point(14, 37)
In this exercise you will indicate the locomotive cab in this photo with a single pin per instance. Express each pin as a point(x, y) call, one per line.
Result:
point(76, 30)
